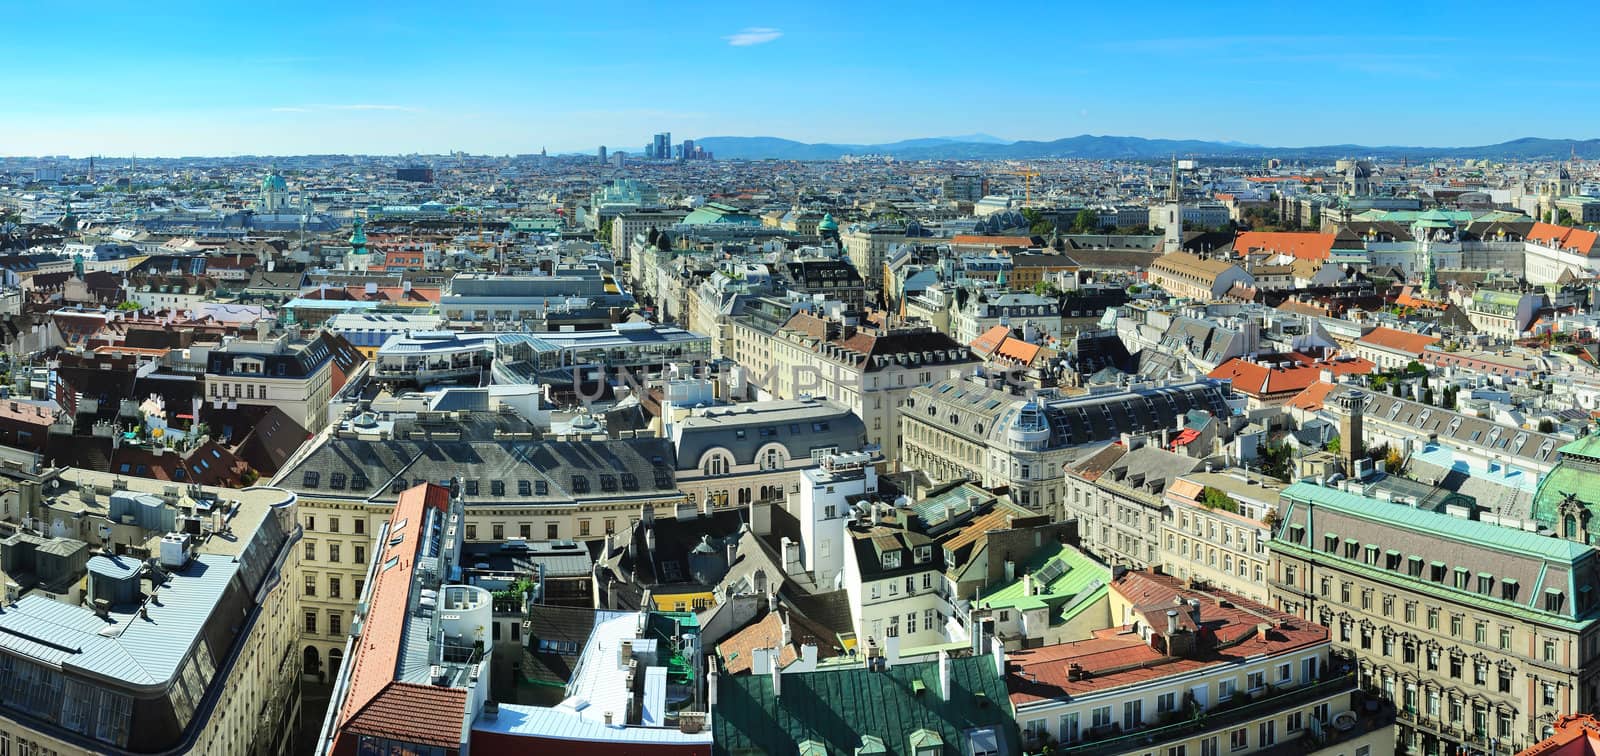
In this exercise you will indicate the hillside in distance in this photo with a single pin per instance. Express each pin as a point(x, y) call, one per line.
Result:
point(1092, 147)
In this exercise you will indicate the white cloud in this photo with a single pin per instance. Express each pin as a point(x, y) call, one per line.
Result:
point(753, 35)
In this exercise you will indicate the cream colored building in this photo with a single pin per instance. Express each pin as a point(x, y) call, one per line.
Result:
point(1184, 274)
point(515, 484)
point(1223, 548)
point(294, 374)
point(1255, 681)
point(869, 371)
point(1480, 634)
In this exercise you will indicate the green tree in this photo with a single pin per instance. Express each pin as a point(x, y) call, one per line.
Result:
point(1214, 498)
point(1564, 218)
point(1427, 395)
point(1085, 221)
point(1044, 289)
point(1333, 445)
point(1416, 368)
point(1546, 425)
point(1038, 225)
point(1276, 460)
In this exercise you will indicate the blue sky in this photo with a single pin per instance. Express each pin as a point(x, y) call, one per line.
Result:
point(398, 77)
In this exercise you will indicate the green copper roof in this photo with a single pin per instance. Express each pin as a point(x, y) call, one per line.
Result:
point(1066, 580)
point(1576, 474)
point(843, 707)
point(827, 223)
point(358, 237)
point(1438, 525)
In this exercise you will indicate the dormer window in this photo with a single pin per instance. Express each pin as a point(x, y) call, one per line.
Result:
point(924, 553)
point(891, 560)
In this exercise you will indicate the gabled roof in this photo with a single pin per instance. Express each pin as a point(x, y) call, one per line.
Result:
point(1564, 238)
point(377, 702)
point(1399, 341)
point(1304, 246)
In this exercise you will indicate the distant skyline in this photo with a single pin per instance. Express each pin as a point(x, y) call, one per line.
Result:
point(295, 77)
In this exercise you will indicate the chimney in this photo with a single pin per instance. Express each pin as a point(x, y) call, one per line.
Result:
point(1172, 621)
point(1027, 584)
point(788, 635)
point(944, 675)
point(711, 684)
point(777, 678)
point(772, 600)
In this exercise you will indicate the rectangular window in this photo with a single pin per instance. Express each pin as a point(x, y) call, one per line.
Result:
point(1239, 739)
point(311, 622)
point(1101, 717)
point(333, 588)
point(1267, 733)
point(333, 552)
point(361, 554)
point(335, 623)
point(499, 530)
point(311, 584)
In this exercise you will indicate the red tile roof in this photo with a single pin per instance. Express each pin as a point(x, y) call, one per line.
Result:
point(1575, 735)
point(990, 340)
point(375, 702)
point(1563, 237)
point(1258, 380)
point(1118, 657)
point(1303, 246)
point(1396, 340)
point(1313, 397)
point(975, 240)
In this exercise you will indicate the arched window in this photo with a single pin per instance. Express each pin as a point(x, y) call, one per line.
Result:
point(313, 661)
point(335, 657)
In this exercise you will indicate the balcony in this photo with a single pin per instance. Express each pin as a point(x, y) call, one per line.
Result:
point(1221, 719)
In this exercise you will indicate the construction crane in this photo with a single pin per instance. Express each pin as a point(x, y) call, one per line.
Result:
point(1027, 175)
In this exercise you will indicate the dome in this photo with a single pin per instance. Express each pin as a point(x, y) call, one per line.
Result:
point(274, 182)
point(827, 223)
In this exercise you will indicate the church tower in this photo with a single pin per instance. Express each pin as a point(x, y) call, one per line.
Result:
point(274, 193)
point(358, 259)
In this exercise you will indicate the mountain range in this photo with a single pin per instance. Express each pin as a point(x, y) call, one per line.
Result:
point(1092, 147)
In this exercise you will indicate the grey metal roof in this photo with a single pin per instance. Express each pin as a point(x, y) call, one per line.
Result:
point(127, 648)
point(744, 429)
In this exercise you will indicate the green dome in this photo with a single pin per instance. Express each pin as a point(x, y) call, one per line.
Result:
point(827, 223)
point(274, 182)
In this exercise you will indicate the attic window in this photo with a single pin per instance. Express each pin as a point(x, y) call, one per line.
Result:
point(311, 480)
point(524, 488)
point(1553, 600)
point(580, 484)
point(541, 487)
point(891, 560)
point(497, 488)
point(472, 488)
